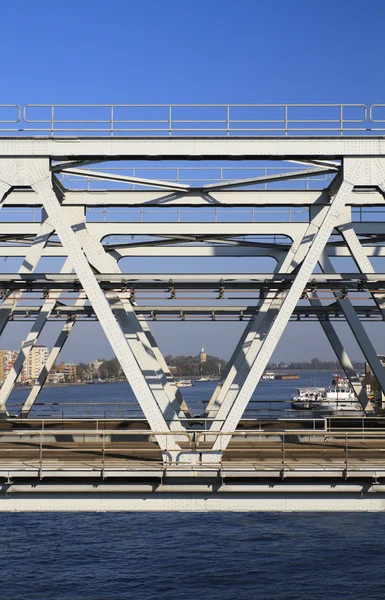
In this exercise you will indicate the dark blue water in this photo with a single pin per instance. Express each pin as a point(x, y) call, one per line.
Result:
point(176, 556)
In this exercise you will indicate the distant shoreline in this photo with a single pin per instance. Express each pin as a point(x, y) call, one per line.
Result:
point(52, 385)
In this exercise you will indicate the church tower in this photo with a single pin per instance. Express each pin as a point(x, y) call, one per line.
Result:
point(202, 356)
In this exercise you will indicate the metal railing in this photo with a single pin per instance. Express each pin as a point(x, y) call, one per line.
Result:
point(193, 119)
point(340, 445)
point(97, 448)
point(195, 176)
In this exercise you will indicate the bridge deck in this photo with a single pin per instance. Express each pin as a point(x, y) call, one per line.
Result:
point(261, 456)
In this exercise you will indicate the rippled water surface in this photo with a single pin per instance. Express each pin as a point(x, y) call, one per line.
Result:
point(175, 556)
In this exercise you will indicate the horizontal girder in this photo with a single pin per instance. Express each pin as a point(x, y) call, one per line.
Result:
point(197, 228)
point(183, 312)
point(203, 281)
point(132, 198)
point(191, 250)
point(207, 148)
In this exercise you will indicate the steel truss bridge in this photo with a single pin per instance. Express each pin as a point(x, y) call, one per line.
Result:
point(301, 187)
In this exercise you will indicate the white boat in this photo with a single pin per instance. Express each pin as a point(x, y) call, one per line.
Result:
point(203, 379)
point(183, 383)
point(338, 397)
point(308, 398)
point(268, 375)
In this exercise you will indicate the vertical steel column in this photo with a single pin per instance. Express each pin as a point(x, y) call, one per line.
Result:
point(319, 241)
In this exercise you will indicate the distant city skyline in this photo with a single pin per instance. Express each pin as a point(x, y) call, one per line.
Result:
point(301, 341)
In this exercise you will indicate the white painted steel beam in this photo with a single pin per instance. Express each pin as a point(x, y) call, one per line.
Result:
point(191, 251)
point(42, 377)
point(156, 198)
point(360, 257)
point(32, 256)
point(343, 358)
point(53, 355)
point(209, 229)
point(319, 241)
point(27, 345)
point(36, 174)
point(224, 396)
point(147, 354)
point(208, 148)
point(269, 178)
point(364, 342)
point(268, 501)
point(168, 185)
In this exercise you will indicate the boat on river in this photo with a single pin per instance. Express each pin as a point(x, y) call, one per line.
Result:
point(268, 375)
point(184, 383)
point(336, 398)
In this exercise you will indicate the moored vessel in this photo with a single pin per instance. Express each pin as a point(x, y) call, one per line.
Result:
point(268, 375)
point(338, 397)
point(183, 383)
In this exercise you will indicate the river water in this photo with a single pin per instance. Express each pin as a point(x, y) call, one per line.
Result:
point(272, 398)
point(175, 556)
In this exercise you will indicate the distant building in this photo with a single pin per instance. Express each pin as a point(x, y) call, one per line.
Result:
point(94, 365)
point(56, 377)
point(202, 356)
point(7, 358)
point(68, 370)
point(34, 363)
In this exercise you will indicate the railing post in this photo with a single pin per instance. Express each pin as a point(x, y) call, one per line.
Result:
point(341, 119)
point(112, 120)
point(283, 456)
point(228, 120)
point(52, 120)
point(286, 120)
point(103, 452)
point(170, 120)
point(346, 455)
point(41, 452)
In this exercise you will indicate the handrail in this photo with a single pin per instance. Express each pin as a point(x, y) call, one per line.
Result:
point(11, 106)
point(93, 432)
point(194, 119)
point(325, 434)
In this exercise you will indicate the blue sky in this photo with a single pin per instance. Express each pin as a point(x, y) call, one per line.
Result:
point(206, 51)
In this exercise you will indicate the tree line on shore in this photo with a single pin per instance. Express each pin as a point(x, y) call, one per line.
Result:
point(191, 366)
point(314, 364)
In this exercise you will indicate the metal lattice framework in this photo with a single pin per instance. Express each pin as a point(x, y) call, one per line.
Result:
point(337, 184)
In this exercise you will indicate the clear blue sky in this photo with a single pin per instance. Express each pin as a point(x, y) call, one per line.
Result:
point(203, 51)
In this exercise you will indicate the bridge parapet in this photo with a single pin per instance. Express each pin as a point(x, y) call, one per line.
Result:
point(192, 119)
